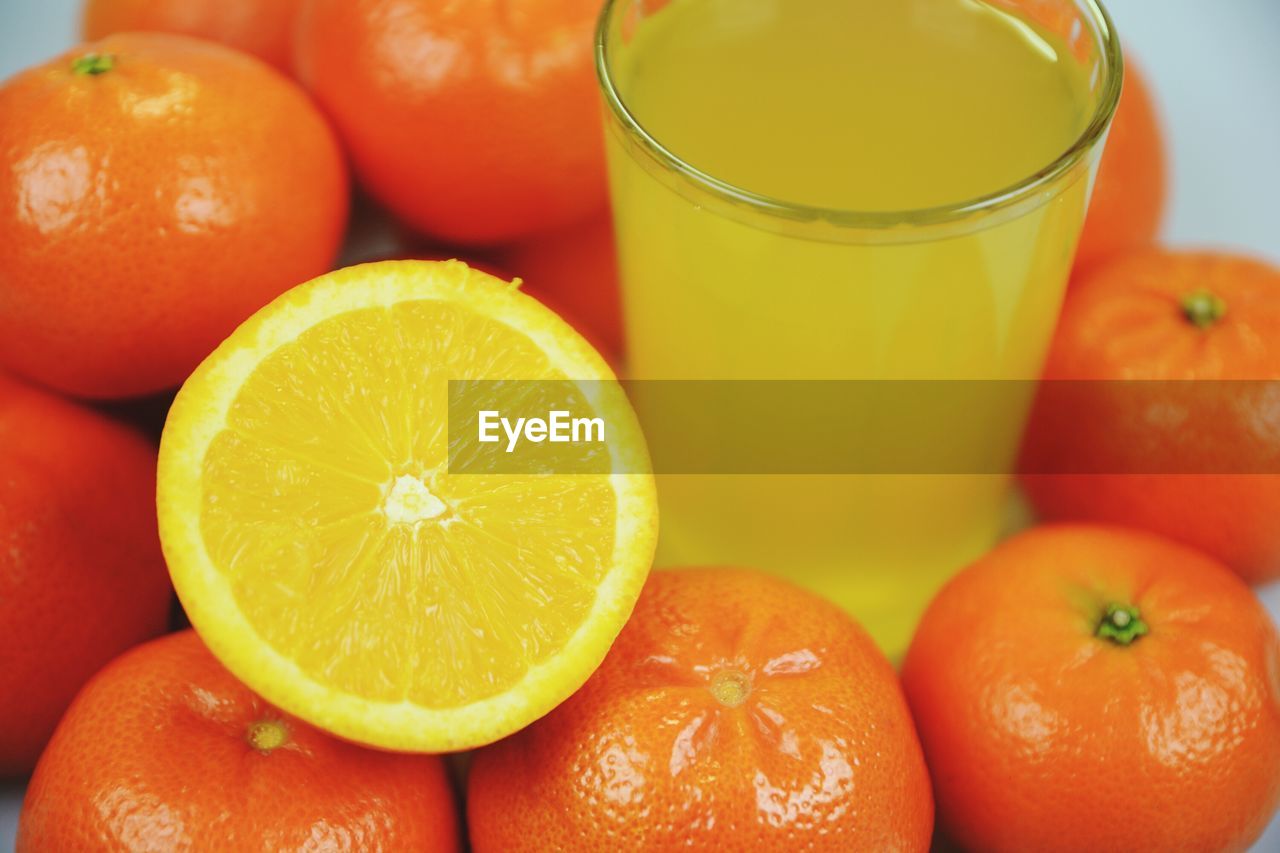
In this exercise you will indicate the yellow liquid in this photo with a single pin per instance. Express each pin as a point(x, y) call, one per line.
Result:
point(857, 105)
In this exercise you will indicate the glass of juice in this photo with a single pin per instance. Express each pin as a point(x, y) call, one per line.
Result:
point(849, 189)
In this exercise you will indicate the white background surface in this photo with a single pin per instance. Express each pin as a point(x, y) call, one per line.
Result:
point(1215, 68)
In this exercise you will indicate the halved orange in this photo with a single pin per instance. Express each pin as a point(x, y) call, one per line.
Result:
point(326, 554)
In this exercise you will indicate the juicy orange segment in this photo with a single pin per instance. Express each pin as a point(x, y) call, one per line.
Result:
point(327, 556)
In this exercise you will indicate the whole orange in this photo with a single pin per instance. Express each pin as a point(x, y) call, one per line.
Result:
point(1201, 451)
point(1093, 688)
point(165, 750)
point(1129, 194)
point(577, 268)
point(155, 190)
point(81, 575)
point(734, 712)
point(263, 28)
point(475, 122)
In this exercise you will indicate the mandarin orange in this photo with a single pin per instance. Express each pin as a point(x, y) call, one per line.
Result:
point(155, 190)
point(474, 122)
point(81, 576)
point(164, 749)
point(1094, 688)
point(1204, 454)
point(734, 712)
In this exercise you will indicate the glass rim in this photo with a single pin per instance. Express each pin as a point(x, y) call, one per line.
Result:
point(999, 199)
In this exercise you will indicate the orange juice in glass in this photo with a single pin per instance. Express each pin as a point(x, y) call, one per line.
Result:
point(849, 189)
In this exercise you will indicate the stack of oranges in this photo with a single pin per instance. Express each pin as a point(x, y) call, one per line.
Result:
point(1105, 680)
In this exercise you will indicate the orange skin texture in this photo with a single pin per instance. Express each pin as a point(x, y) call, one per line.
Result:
point(263, 28)
point(1131, 189)
point(81, 575)
point(1042, 736)
point(1124, 321)
point(155, 754)
point(821, 754)
point(576, 267)
point(474, 122)
point(147, 210)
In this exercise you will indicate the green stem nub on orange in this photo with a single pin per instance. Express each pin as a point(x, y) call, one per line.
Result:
point(266, 735)
point(93, 64)
point(1121, 624)
point(1203, 308)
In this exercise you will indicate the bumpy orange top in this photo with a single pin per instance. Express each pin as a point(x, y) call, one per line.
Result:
point(734, 712)
point(155, 190)
point(1169, 316)
point(1094, 688)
